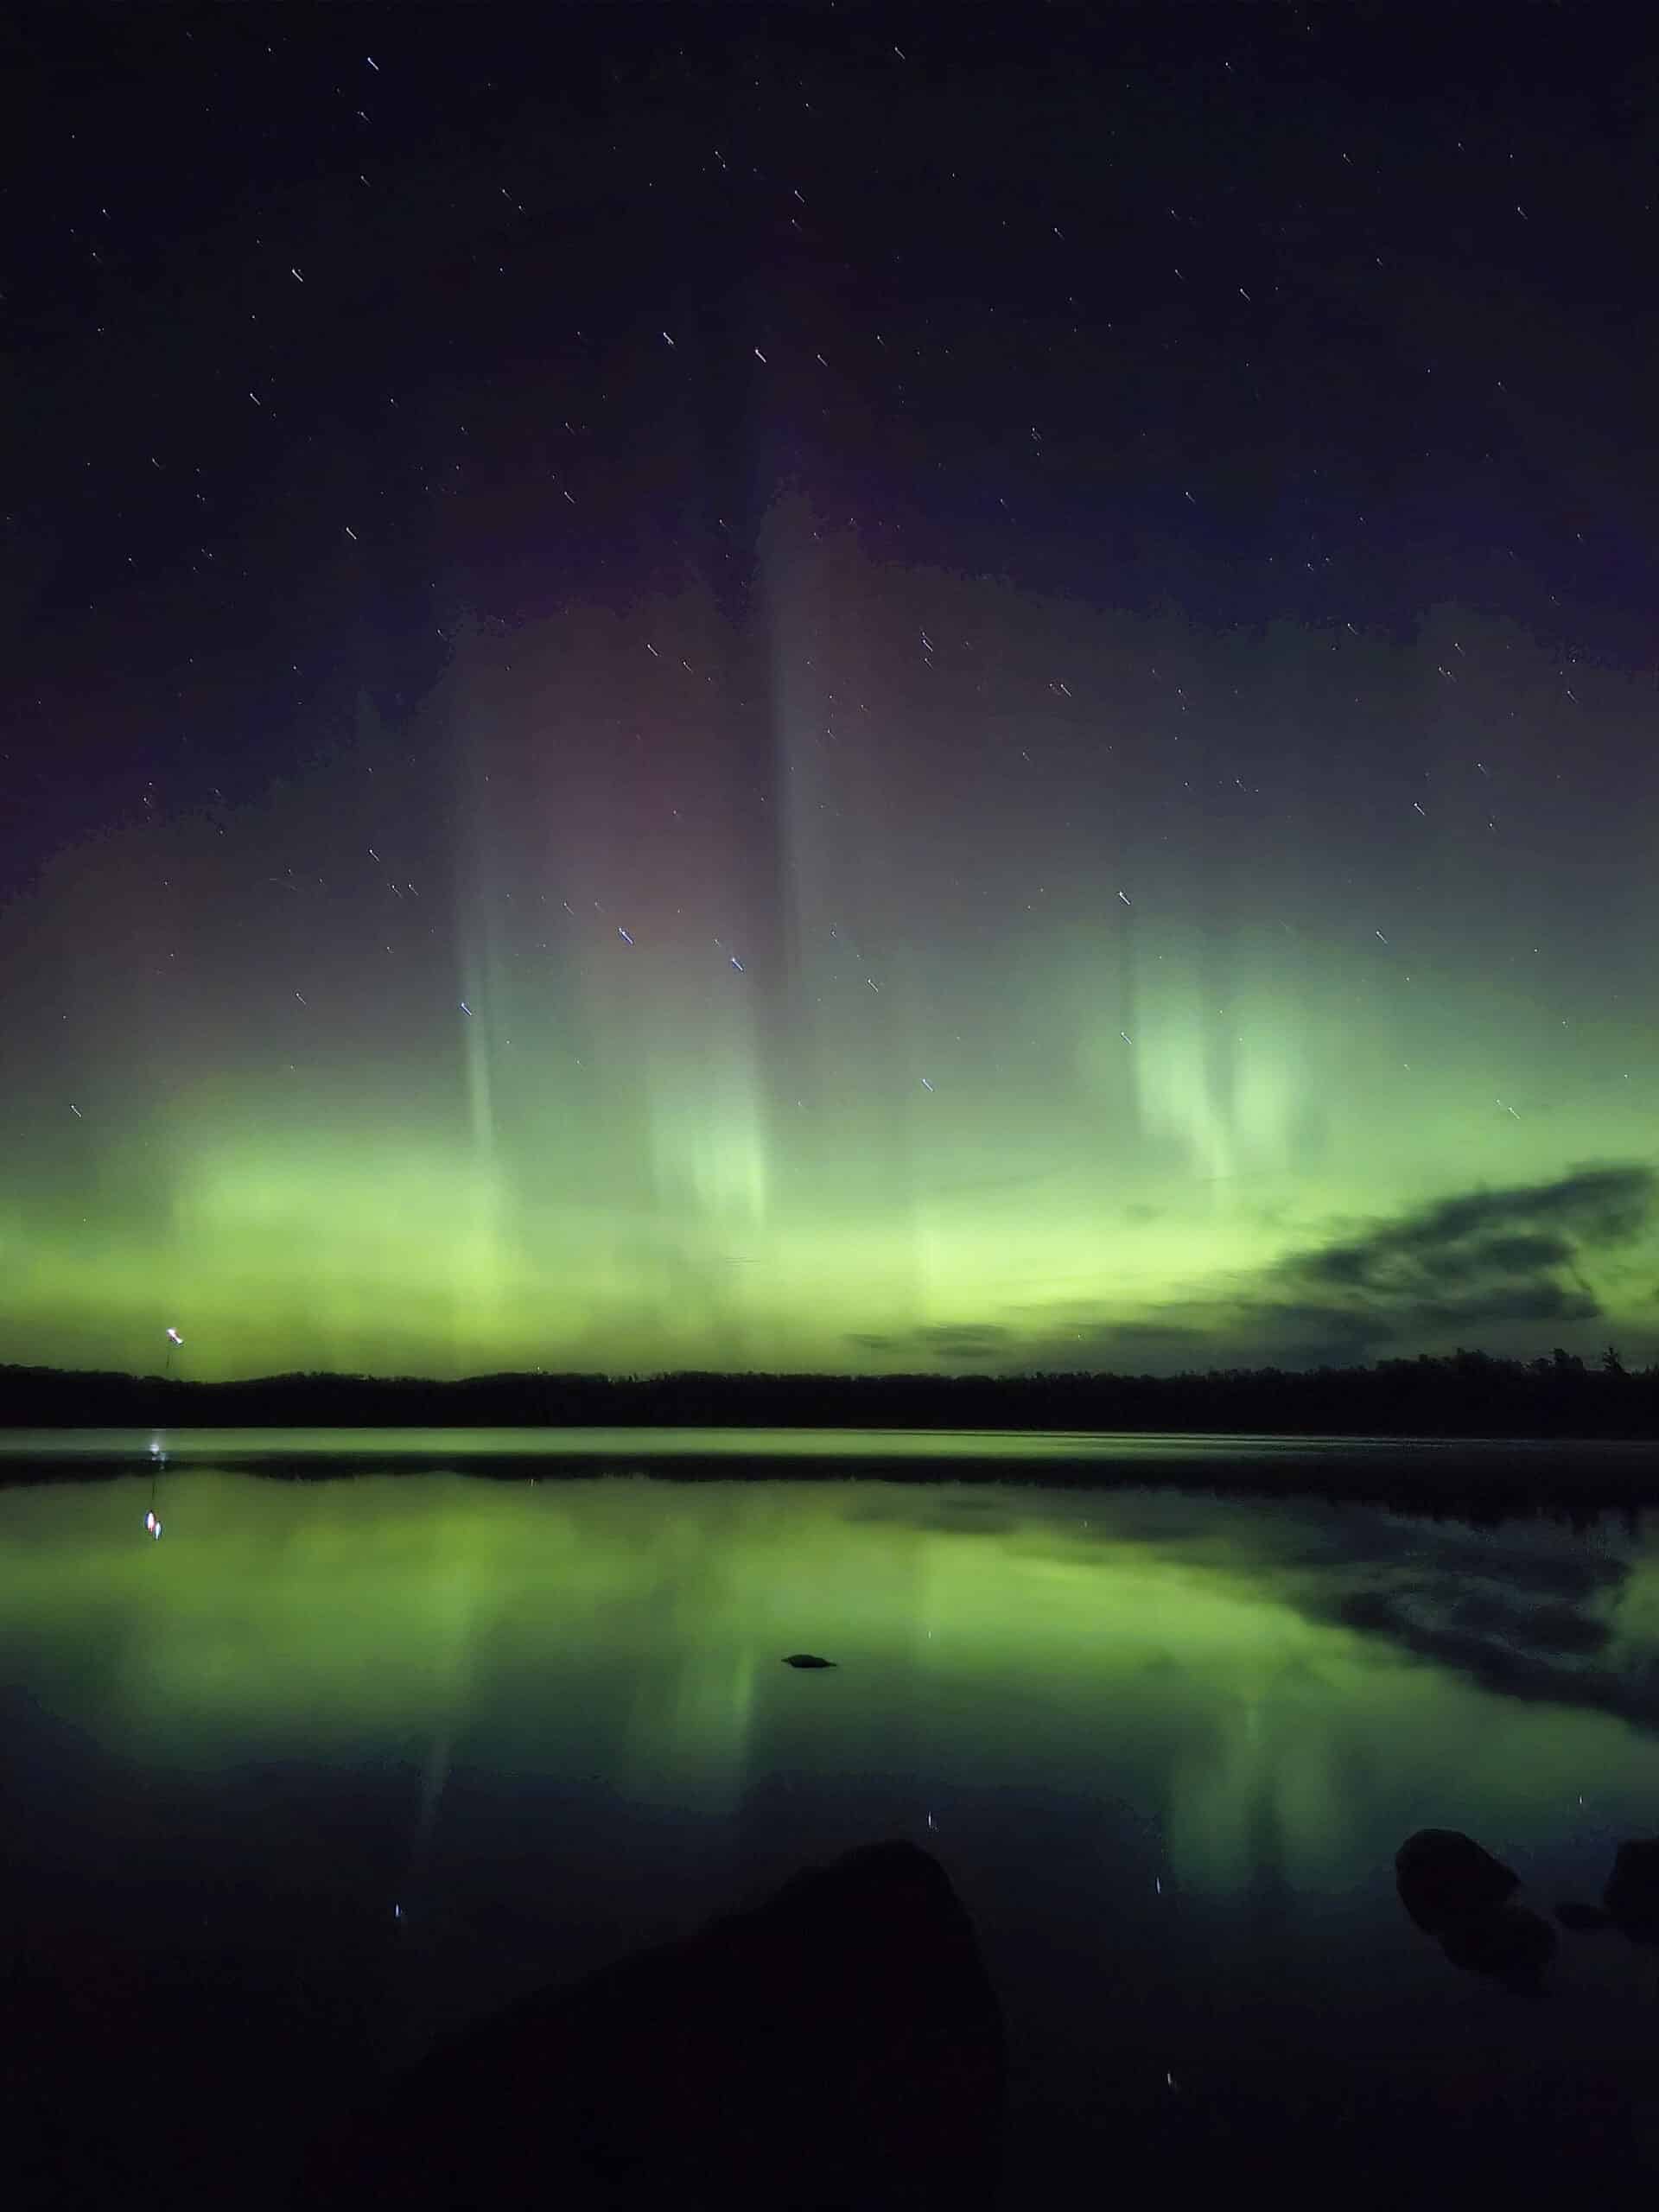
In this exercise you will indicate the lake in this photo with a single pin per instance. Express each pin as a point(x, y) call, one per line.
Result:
point(341, 1762)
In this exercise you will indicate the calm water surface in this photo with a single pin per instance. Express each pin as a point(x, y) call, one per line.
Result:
point(375, 1753)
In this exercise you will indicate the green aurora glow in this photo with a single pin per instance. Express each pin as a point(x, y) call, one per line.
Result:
point(637, 1627)
point(1072, 1028)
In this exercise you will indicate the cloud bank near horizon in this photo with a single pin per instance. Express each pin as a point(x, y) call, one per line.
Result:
point(1472, 1269)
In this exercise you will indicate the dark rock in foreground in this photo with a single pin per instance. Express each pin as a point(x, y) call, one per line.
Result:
point(1509, 1942)
point(839, 2046)
point(1456, 1891)
point(1444, 1876)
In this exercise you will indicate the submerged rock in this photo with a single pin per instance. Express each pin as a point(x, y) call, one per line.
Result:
point(1508, 1940)
point(1456, 1891)
point(806, 1659)
point(1444, 1876)
point(838, 2046)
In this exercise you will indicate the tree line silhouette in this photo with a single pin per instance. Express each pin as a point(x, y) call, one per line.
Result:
point(1465, 1394)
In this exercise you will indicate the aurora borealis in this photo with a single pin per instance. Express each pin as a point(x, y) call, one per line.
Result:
point(738, 694)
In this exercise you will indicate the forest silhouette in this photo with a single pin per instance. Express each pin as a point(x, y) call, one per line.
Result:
point(1464, 1395)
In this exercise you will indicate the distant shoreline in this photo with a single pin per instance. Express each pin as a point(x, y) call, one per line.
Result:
point(1467, 1395)
point(1482, 1480)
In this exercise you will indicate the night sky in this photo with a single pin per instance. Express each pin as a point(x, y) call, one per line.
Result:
point(838, 689)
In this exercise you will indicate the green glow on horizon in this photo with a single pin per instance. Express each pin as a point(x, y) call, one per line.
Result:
point(961, 1107)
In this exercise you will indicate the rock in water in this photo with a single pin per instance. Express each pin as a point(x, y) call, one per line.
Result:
point(1458, 1893)
point(806, 1659)
point(1444, 1876)
point(1631, 1895)
point(1630, 1900)
point(837, 2046)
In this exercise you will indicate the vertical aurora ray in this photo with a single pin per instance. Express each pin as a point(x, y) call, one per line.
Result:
point(849, 855)
point(839, 993)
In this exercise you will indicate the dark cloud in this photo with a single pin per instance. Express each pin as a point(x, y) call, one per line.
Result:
point(1534, 1301)
point(1461, 1264)
point(1540, 1653)
point(972, 1513)
point(1299, 1332)
point(1449, 1270)
point(1524, 1612)
point(1446, 1272)
point(1485, 1237)
point(979, 1340)
point(970, 1340)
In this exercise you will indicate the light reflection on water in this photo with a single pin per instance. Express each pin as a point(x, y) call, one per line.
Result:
point(28, 1449)
point(440, 1739)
